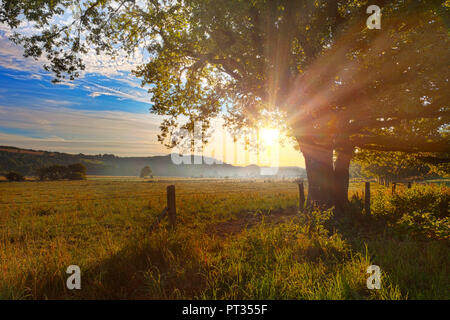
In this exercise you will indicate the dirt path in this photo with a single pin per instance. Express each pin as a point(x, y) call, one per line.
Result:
point(235, 226)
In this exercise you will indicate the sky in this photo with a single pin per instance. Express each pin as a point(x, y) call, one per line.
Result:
point(104, 111)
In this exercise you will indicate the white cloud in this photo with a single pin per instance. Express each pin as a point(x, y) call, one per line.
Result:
point(11, 55)
point(118, 69)
point(35, 76)
point(136, 94)
point(11, 58)
point(58, 103)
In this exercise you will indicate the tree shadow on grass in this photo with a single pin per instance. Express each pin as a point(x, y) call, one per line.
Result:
point(418, 266)
point(161, 266)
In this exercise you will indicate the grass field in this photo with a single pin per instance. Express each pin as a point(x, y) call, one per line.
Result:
point(233, 240)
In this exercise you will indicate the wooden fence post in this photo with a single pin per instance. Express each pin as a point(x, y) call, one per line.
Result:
point(367, 198)
point(301, 197)
point(393, 187)
point(171, 208)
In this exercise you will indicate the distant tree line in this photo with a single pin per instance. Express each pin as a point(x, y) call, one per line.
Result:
point(14, 176)
point(57, 172)
point(54, 172)
point(28, 162)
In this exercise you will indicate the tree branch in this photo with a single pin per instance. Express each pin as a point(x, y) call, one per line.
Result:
point(394, 144)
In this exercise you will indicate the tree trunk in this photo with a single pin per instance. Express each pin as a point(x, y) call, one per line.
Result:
point(341, 180)
point(328, 182)
point(319, 169)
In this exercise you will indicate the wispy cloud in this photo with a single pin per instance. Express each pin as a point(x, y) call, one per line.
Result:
point(122, 93)
point(34, 76)
point(83, 146)
point(121, 133)
point(58, 103)
point(11, 56)
point(118, 69)
point(81, 131)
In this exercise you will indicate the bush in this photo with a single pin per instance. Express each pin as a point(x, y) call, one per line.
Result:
point(76, 176)
point(56, 172)
point(76, 172)
point(421, 211)
point(420, 199)
point(14, 176)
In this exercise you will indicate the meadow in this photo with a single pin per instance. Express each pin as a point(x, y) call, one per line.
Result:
point(233, 240)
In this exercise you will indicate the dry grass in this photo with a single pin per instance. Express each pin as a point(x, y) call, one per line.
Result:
point(234, 239)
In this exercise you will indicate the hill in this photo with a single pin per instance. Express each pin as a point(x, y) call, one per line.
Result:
point(28, 161)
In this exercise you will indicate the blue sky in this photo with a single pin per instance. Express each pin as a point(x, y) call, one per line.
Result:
point(93, 92)
point(103, 111)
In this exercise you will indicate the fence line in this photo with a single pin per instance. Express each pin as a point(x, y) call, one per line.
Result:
point(148, 196)
point(190, 194)
point(170, 209)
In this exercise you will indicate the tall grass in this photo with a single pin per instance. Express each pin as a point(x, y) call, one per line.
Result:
point(305, 256)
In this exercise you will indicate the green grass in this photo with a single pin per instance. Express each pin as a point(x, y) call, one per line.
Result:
point(304, 256)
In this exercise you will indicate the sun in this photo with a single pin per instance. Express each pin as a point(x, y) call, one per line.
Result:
point(269, 136)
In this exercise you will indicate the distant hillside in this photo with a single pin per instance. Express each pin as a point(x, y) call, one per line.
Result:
point(28, 162)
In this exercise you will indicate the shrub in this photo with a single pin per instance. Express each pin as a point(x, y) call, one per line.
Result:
point(421, 211)
point(421, 199)
point(14, 176)
point(76, 176)
point(56, 172)
point(76, 172)
point(424, 225)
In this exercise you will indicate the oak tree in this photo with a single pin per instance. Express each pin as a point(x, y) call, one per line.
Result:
point(338, 86)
